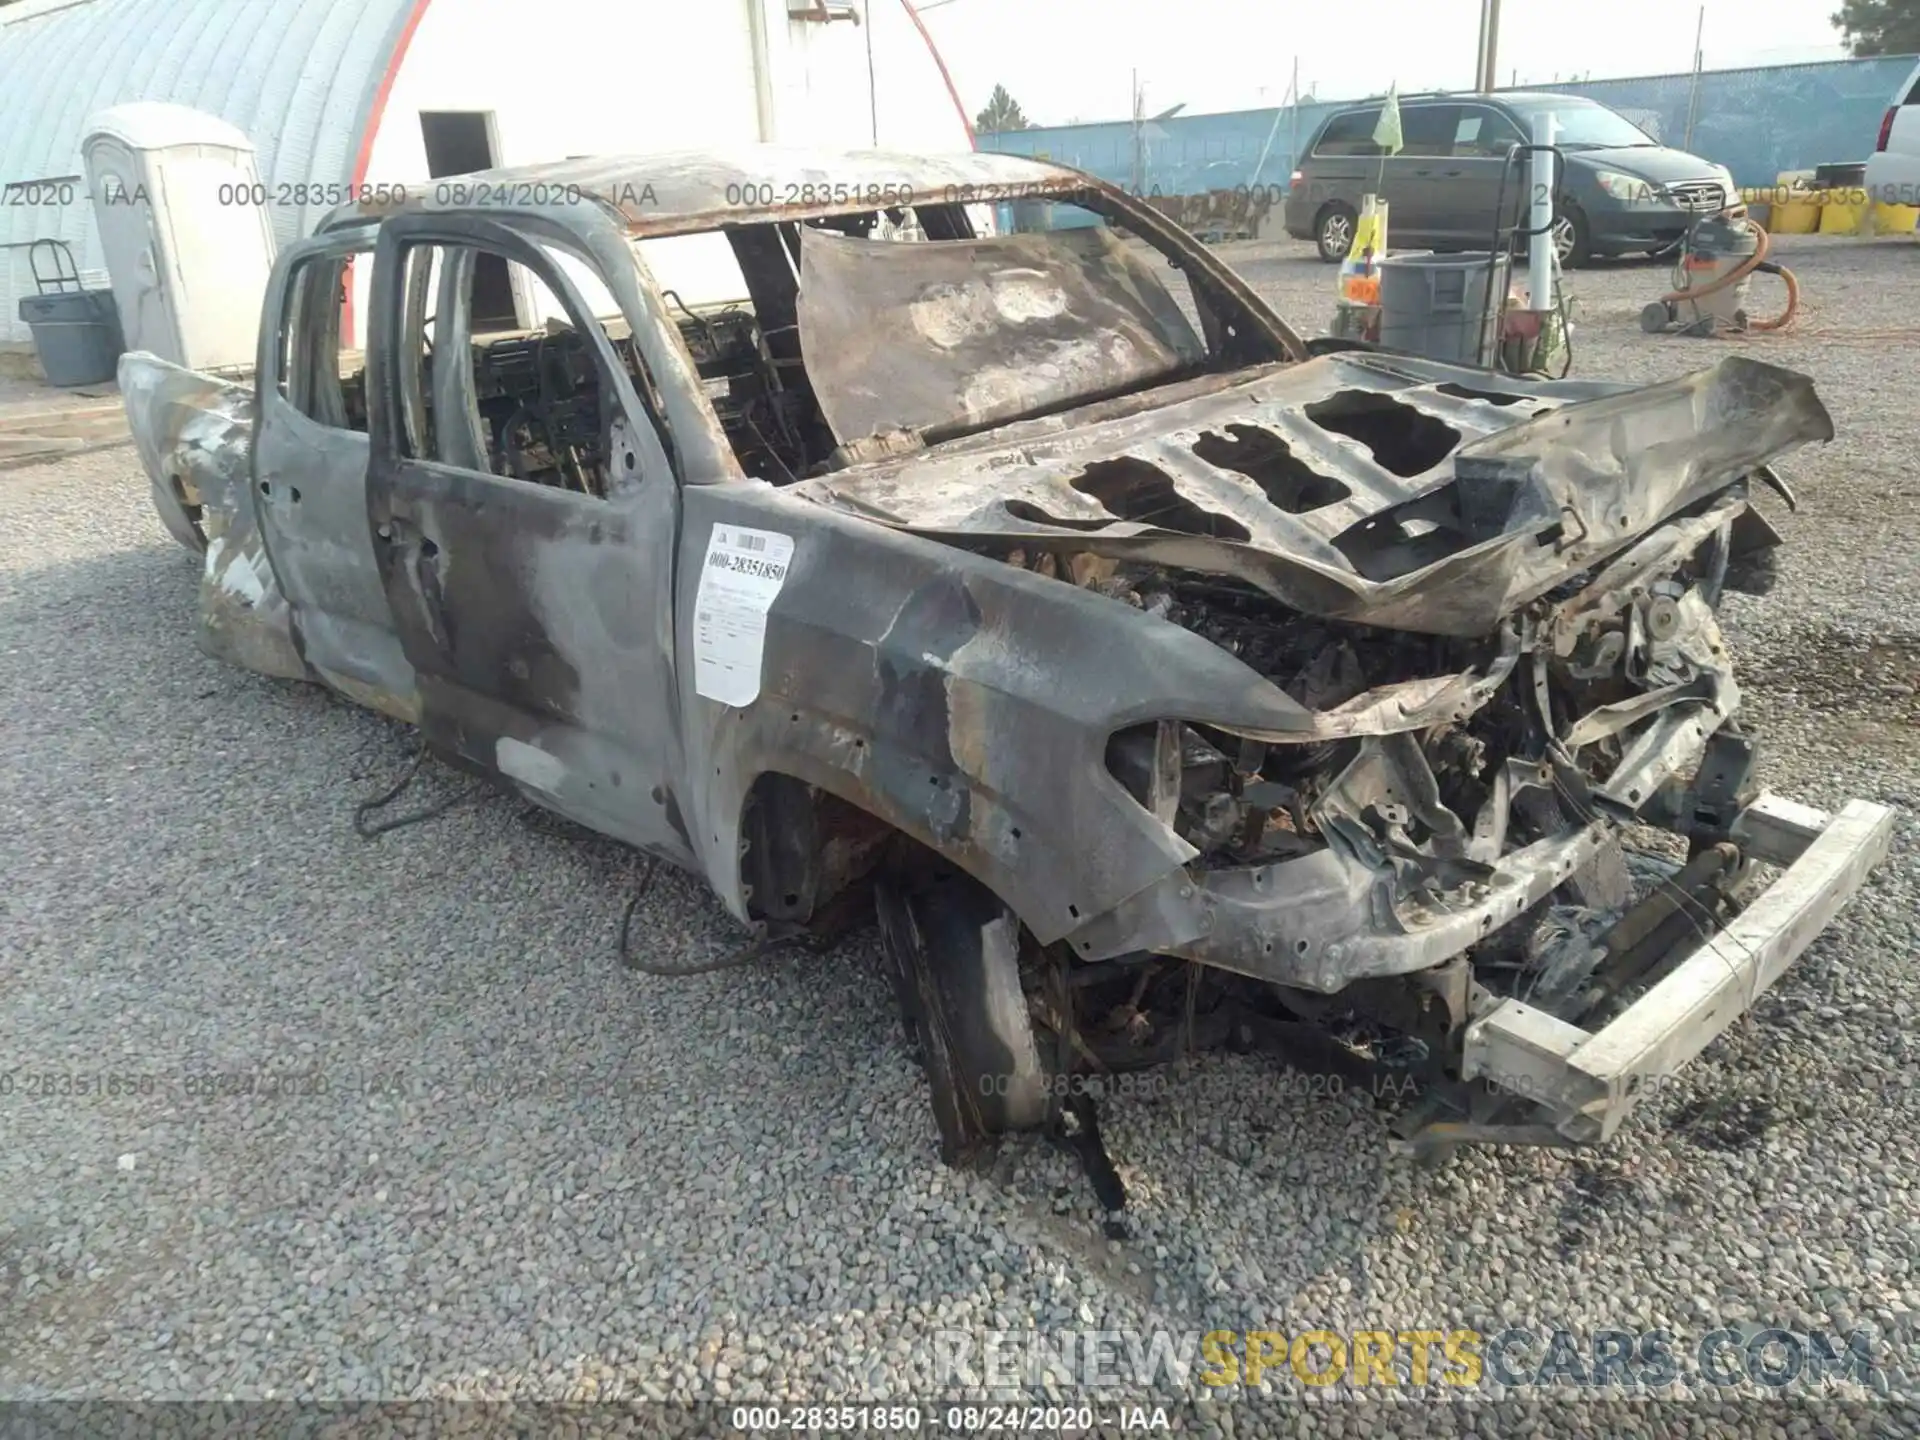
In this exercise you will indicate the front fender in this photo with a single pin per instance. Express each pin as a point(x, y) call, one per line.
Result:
point(964, 701)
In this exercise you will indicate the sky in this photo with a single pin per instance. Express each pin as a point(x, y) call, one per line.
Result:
point(1070, 60)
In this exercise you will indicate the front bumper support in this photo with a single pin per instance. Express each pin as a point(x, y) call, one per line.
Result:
point(1589, 1082)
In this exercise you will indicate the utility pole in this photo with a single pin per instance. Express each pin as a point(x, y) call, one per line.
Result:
point(1486, 66)
point(1289, 103)
point(1693, 91)
point(762, 71)
point(873, 81)
point(1293, 145)
point(1139, 156)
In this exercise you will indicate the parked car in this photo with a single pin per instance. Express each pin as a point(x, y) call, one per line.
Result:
point(1622, 192)
point(1893, 170)
point(1157, 683)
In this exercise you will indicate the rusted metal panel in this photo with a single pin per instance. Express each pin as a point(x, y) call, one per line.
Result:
point(962, 700)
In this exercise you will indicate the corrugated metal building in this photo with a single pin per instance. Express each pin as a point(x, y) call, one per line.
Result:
point(345, 92)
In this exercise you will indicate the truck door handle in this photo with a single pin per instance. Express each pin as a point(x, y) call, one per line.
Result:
point(417, 557)
point(429, 584)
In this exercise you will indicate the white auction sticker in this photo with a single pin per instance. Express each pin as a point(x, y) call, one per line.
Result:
point(744, 572)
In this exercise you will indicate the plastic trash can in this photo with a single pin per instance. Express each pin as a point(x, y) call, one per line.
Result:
point(1844, 211)
point(1888, 219)
point(1436, 305)
point(77, 335)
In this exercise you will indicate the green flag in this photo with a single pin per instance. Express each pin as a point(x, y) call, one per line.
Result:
point(1386, 134)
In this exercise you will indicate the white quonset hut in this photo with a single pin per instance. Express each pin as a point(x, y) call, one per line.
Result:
point(338, 93)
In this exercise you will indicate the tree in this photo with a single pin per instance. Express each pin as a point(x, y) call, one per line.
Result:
point(1879, 27)
point(1003, 112)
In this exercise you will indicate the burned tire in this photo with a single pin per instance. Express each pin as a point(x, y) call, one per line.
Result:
point(954, 951)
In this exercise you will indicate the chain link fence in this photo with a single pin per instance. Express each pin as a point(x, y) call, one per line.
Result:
point(1229, 170)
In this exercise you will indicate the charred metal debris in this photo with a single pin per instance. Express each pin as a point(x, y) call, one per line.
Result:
point(1420, 815)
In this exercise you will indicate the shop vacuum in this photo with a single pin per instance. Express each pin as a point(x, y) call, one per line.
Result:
point(1712, 280)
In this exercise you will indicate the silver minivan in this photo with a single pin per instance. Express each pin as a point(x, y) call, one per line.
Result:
point(1620, 191)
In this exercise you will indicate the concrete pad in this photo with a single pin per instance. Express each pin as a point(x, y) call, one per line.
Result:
point(39, 421)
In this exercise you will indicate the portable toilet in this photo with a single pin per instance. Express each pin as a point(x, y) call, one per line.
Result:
point(184, 225)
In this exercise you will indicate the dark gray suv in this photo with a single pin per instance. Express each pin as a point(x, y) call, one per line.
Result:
point(1622, 192)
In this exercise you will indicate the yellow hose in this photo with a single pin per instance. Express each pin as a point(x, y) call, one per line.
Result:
point(1785, 317)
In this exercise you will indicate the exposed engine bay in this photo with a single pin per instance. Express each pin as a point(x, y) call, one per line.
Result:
point(1557, 692)
point(1574, 697)
point(1250, 800)
point(1491, 665)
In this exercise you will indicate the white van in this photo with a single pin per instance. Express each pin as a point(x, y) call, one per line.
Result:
point(1893, 170)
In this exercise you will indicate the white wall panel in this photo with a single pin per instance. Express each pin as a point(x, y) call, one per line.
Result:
point(561, 77)
point(296, 75)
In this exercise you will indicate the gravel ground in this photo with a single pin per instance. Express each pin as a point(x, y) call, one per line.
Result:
point(484, 1160)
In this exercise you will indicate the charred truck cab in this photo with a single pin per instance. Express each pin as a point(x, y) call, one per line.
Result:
point(1159, 684)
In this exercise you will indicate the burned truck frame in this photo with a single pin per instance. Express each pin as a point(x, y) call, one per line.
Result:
point(1158, 681)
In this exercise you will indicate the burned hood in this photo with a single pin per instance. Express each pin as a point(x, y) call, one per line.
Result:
point(1385, 490)
point(916, 337)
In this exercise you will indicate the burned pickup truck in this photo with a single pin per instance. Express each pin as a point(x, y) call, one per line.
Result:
point(1160, 681)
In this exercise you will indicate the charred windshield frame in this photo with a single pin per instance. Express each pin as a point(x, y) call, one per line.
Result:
point(710, 386)
point(1236, 327)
